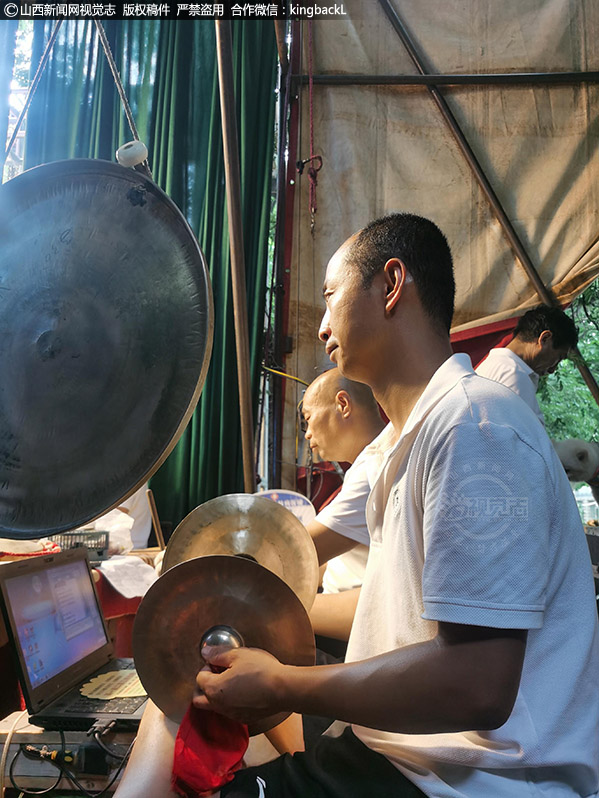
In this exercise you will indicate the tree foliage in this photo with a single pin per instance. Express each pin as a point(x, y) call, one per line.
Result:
point(569, 407)
point(21, 71)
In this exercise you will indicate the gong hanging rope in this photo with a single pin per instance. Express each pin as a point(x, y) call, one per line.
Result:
point(40, 71)
point(119, 87)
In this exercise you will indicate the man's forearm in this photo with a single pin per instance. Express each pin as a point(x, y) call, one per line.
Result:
point(328, 544)
point(426, 688)
point(332, 614)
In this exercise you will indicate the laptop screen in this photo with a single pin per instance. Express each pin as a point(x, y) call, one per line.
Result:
point(56, 618)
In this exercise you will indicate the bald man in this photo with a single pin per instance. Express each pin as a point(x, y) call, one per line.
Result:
point(342, 418)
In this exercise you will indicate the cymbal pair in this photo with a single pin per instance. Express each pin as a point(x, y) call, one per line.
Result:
point(242, 564)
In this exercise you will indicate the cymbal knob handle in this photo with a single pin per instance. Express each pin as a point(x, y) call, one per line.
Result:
point(221, 636)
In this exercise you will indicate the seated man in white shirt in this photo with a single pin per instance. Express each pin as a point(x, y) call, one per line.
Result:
point(543, 337)
point(342, 417)
point(472, 662)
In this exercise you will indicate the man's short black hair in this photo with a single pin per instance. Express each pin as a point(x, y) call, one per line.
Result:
point(422, 248)
point(545, 317)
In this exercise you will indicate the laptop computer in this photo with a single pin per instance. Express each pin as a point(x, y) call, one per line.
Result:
point(59, 636)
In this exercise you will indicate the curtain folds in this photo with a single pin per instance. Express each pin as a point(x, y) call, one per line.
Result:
point(170, 76)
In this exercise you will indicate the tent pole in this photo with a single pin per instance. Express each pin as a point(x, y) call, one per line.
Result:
point(284, 192)
point(546, 295)
point(586, 374)
point(286, 181)
point(280, 33)
point(233, 186)
point(482, 79)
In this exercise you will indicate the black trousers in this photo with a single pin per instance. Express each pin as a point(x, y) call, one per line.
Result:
point(335, 767)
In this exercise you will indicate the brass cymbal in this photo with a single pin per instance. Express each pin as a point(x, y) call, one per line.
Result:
point(105, 336)
point(256, 528)
point(194, 596)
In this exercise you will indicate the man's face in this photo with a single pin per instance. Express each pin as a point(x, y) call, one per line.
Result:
point(322, 429)
point(548, 357)
point(348, 326)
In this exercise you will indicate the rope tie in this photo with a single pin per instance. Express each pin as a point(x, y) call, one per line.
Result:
point(119, 86)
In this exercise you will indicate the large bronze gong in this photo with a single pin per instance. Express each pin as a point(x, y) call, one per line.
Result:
point(105, 337)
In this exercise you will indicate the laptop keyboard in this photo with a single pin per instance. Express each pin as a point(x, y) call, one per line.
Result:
point(117, 706)
point(73, 703)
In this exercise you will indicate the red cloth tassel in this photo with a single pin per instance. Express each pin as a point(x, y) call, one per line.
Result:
point(208, 750)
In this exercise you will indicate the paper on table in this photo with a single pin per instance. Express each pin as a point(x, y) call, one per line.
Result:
point(115, 684)
point(129, 575)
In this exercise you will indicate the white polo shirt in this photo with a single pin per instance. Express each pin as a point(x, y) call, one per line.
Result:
point(346, 571)
point(504, 366)
point(346, 514)
point(472, 521)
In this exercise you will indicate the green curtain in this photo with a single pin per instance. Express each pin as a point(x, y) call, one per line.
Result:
point(8, 32)
point(170, 76)
point(76, 112)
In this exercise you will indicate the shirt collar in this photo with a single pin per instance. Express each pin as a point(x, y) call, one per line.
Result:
point(449, 373)
point(522, 364)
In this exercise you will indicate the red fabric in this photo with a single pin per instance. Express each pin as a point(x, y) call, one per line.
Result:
point(325, 480)
point(116, 606)
point(11, 699)
point(208, 750)
point(49, 547)
point(333, 495)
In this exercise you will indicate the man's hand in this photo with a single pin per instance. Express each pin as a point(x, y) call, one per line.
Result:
point(249, 688)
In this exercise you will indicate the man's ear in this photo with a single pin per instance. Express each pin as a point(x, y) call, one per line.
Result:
point(343, 404)
point(396, 276)
point(545, 338)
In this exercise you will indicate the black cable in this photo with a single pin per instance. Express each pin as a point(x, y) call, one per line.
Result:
point(64, 771)
point(105, 748)
point(22, 789)
point(71, 777)
point(36, 792)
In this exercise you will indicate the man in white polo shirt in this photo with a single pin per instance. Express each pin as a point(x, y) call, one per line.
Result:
point(472, 661)
point(341, 418)
point(542, 338)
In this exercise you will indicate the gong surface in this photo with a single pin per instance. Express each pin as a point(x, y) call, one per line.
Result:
point(254, 527)
point(105, 337)
point(196, 595)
